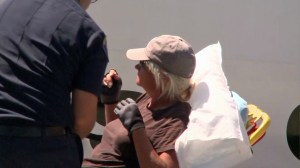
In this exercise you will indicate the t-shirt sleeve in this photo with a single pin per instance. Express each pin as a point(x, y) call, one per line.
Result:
point(166, 136)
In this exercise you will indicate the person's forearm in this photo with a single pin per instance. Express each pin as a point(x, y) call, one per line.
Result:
point(83, 127)
point(85, 111)
point(147, 156)
point(109, 112)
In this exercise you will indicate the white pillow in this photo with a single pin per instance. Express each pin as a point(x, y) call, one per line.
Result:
point(216, 136)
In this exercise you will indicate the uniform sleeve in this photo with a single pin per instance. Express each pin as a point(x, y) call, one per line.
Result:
point(92, 67)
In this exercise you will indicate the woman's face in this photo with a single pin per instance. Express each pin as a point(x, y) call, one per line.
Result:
point(145, 78)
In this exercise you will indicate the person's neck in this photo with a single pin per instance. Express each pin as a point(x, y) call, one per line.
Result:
point(158, 102)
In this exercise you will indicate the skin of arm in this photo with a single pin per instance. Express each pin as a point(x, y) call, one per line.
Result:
point(148, 157)
point(85, 111)
point(109, 108)
point(109, 113)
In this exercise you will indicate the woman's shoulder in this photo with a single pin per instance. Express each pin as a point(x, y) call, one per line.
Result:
point(184, 106)
point(177, 110)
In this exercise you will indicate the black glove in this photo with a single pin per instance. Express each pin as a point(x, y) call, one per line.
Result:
point(129, 114)
point(111, 95)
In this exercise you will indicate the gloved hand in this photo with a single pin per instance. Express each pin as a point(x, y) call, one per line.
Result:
point(111, 87)
point(129, 114)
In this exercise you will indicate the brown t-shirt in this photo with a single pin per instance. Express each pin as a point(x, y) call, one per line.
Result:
point(163, 127)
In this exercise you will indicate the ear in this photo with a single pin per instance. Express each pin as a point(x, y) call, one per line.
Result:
point(164, 76)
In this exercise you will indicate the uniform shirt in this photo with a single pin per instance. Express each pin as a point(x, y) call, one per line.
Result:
point(47, 49)
point(162, 128)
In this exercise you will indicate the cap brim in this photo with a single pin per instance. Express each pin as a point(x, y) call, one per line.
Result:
point(137, 54)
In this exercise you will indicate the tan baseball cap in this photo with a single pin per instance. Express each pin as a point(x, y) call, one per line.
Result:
point(172, 53)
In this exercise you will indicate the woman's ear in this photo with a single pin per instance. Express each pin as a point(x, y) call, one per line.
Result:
point(164, 76)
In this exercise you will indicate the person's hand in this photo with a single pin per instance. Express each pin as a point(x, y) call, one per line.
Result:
point(129, 114)
point(111, 87)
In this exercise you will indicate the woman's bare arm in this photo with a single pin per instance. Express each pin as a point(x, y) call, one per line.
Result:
point(148, 157)
point(109, 113)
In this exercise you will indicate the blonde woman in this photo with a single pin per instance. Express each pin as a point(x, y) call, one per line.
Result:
point(142, 133)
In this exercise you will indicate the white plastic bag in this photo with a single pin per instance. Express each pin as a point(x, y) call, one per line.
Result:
point(216, 136)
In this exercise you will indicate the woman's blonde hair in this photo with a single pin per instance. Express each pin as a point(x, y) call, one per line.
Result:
point(175, 87)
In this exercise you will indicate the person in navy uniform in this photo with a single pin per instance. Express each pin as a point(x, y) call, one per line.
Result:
point(52, 60)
